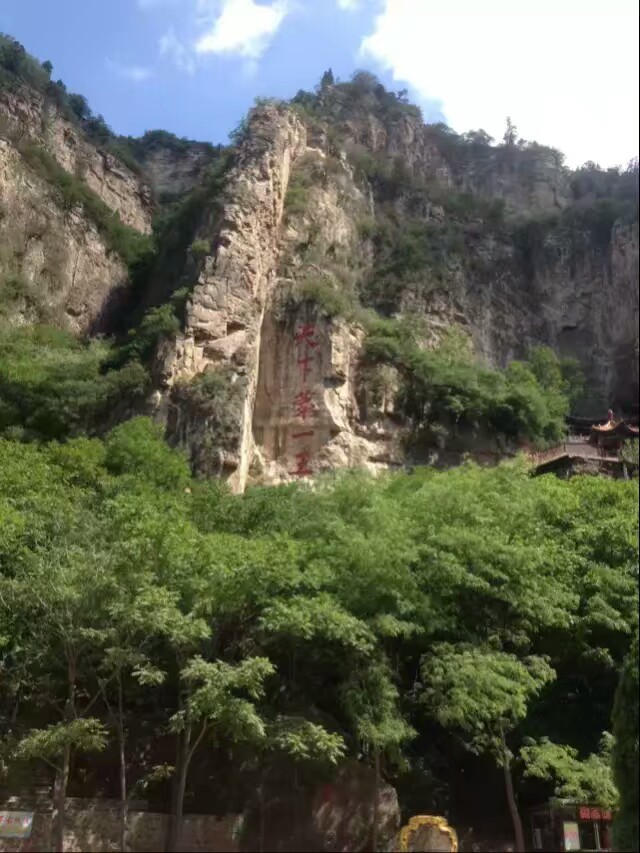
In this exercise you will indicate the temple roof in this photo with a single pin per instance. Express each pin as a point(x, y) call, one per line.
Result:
point(616, 428)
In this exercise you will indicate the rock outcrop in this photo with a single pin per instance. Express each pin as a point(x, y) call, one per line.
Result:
point(226, 310)
point(28, 116)
point(302, 401)
point(54, 261)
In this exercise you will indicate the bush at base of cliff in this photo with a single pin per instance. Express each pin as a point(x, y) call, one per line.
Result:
point(53, 386)
point(528, 400)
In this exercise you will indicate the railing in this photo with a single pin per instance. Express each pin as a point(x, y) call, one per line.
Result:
point(574, 446)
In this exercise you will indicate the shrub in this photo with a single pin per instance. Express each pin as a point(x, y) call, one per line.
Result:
point(52, 386)
point(137, 447)
point(142, 341)
point(214, 400)
point(15, 291)
point(200, 248)
point(444, 386)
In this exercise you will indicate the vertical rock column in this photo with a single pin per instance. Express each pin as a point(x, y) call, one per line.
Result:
point(226, 310)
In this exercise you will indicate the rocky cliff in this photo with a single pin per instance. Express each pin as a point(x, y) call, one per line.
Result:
point(283, 255)
point(27, 116)
point(297, 249)
point(54, 264)
point(172, 166)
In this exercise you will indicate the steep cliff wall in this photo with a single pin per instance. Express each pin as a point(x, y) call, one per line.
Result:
point(581, 301)
point(225, 312)
point(54, 265)
point(281, 257)
point(27, 115)
point(273, 317)
point(174, 169)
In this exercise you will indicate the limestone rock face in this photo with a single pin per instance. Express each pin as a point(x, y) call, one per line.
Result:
point(226, 310)
point(303, 401)
point(26, 116)
point(583, 303)
point(58, 258)
point(173, 172)
point(534, 180)
point(307, 417)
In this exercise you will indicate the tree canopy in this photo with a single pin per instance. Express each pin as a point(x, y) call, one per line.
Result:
point(298, 626)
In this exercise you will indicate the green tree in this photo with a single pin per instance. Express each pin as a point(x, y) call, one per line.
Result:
point(625, 753)
point(48, 67)
point(56, 600)
point(484, 694)
point(219, 701)
point(327, 80)
point(79, 106)
point(588, 780)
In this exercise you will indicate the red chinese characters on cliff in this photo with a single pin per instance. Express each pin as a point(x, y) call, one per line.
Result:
point(303, 405)
point(306, 342)
point(306, 336)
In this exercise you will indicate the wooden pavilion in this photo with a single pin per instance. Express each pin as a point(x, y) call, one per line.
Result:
point(608, 438)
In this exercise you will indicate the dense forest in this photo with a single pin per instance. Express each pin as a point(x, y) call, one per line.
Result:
point(407, 621)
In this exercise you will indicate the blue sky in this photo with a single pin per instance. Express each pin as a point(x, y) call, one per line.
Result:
point(564, 70)
point(133, 63)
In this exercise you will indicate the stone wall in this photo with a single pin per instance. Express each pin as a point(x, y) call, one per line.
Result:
point(94, 825)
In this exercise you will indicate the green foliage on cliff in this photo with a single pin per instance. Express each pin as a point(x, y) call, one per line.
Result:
point(151, 140)
point(362, 94)
point(528, 400)
point(132, 246)
point(18, 68)
point(52, 386)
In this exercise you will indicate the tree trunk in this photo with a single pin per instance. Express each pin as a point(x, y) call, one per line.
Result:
point(511, 799)
point(376, 797)
point(180, 786)
point(59, 797)
point(124, 803)
point(62, 773)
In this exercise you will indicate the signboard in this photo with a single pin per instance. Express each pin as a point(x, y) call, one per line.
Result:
point(571, 834)
point(590, 813)
point(16, 824)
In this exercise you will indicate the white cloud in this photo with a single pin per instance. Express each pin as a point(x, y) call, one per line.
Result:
point(242, 27)
point(567, 78)
point(135, 73)
point(172, 48)
point(348, 4)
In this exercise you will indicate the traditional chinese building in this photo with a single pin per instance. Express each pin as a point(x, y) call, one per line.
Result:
point(566, 825)
point(608, 438)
